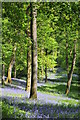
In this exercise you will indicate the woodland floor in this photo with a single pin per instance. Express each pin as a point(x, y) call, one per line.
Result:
point(51, 102)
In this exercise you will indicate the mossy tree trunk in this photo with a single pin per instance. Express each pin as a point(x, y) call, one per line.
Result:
point(33, 92)
point(71, 70)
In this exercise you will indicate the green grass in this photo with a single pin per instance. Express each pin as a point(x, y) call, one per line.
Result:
point(56, 89)
point(59, 89)
point(9, 111)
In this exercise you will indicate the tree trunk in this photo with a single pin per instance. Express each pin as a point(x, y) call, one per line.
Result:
point(42, 69)
point(15, 66)
point(78, 62)
point(67, 65)
point(46, 69)
point(3, 74)
point(45, 73)
point(72, 69)
point(38, 74)
point(15, 70)
point(3, 70)
point(11, 66)
point(33, 92)
point(42, 72)
point(28, 82)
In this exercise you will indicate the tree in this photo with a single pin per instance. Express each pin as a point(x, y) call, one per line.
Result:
point(46, 39)
point(33, 92)
point(72, 69)
point(3, 70)
point(28, 81)
point(13, 31)
point(11, 66)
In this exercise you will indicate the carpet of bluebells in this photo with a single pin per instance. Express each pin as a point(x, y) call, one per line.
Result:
point(16, 104)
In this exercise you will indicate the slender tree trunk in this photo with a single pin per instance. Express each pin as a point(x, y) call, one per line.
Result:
point(3, 74)
point(9, 71)
point(45, 74)
point(28, 69)
point(46, 69)
point(42, 71)
point(78, 61)
point(28, 80)
point(11, 66)
point(33, 92)
point(3, 70)
point(15, 65)
point(15, 70)
point(72, 69)
point(67, 65)
point(38, 76)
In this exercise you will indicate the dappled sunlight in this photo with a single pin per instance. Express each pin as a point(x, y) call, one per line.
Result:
point(51, 102)
point(40, 109)
point(40, 60)
point(59, 88)
point(13, 92)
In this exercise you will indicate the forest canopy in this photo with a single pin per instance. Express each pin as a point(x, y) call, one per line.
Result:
point(47, 32)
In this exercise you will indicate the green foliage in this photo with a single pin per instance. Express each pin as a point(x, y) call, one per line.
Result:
point(13, 31)
point(9, 111)
point(56, 24)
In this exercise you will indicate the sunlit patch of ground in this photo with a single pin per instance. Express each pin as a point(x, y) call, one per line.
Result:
point(17, 105)
point(51, 102)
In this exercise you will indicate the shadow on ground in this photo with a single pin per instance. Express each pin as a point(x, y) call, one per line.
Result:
point(34, 109)
point(60, 89)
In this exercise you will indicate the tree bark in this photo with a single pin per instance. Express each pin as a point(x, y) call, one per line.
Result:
point(67, 64)
point(11, 66)
point(46, 68)
point(15, 65)
point(3, 74)
point(72, 69)
point(78, 61)
point(3, 70)
point(38, 74)
point(28, 80)
point(45, 73)
point(42, 69)
point(15, 70)
point(33, 92)
point(42, 72)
